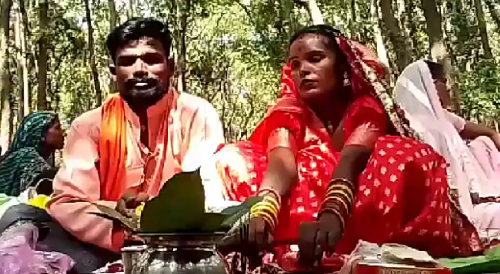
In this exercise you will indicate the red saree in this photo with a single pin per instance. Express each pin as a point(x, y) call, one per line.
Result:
point(402, 194)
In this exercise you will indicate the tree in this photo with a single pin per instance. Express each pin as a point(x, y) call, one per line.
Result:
point(482, 29)
point(495, 14)
point(6, 122)
point(93, 67)
point(42, 55)
point(113, 20)
point(377, 33)
point(434, 21)
point(312, 8)
point(397, 38)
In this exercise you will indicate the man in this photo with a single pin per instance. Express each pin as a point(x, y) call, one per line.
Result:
point(120, 154)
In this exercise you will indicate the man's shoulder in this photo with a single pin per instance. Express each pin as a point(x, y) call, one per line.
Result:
point(193, 103)
point(89, 122)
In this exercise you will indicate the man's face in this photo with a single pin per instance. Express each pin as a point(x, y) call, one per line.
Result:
point(142, 72)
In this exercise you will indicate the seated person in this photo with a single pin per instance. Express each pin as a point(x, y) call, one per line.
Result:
point(26, 162)
point(336, 162)
point(417, 93)
point(483, 142)
point(121, 153)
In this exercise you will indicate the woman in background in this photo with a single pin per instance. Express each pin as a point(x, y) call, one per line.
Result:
point(417, 92)
point(483, 142)
point(26, 161)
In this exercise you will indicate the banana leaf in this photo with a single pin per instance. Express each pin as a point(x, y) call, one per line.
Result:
point(180, 208)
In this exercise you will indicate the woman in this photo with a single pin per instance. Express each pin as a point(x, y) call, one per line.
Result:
point(26, 161)
point(323, 157)
point(483, 142)
point(417, 93)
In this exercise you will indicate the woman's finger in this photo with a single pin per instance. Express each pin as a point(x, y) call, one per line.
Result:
point(320, 243)
point(307, 237)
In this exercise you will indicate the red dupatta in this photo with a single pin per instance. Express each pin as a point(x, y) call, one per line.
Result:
point(368, 78)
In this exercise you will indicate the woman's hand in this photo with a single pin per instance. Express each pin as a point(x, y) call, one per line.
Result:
point(251, 239)
point(318, 237)
point(496, 140)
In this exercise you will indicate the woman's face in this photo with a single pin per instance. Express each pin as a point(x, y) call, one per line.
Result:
point(443, 92)
point(313, 68)
point(54, 138)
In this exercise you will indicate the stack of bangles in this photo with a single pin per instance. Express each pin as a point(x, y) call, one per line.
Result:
point(339, 199)
point(268, 208)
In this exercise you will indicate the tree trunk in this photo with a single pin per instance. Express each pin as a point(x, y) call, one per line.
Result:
point(19, 56)
point(396, 36)
point(495, 13)
point(377, 33)
point(42, 56)
point(482, 29)
point(410, 8)
point(6, 121)
point(433, 20)
point(313, 10)
point(183, 10)
point(25, 71)
point(113, 20)
point(131, 9)
point(93, 66)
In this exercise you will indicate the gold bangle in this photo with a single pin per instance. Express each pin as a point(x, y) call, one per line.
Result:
point(342, 180)
point(264, 190)
point(348, 198)
point(339, 186)
point(266, 216)
point(273, 201)
point(326, 202)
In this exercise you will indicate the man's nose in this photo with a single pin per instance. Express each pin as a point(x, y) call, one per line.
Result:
point(140, 68)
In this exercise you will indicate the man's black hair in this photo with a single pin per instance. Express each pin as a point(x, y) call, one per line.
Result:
point(136, 29)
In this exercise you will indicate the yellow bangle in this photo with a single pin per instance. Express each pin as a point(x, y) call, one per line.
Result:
point(340, 186)
point(265, 190)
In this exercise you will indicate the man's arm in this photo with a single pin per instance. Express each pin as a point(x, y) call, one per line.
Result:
point(76, 187)
point(204, 137)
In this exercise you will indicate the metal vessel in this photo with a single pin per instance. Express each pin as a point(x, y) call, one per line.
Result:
point(173, 253)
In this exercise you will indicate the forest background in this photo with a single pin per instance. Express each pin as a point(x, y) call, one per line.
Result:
point(230, 52)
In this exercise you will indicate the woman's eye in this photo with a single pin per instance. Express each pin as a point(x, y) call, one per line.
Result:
point(295, 65)
point(316, 58)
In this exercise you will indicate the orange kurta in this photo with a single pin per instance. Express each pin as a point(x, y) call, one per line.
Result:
point(193, 134)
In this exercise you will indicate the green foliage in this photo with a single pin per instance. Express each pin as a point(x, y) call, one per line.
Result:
point(481, 93)
point(235, 49)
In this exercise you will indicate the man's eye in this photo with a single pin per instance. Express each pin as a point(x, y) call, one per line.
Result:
point(126, 61)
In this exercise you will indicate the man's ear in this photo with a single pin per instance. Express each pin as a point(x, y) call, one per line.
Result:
point(112, 69)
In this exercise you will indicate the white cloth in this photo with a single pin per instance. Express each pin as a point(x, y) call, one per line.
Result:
point(416, 94)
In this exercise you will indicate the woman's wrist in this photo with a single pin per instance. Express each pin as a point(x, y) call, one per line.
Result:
point(338, 200)
point(267, 209)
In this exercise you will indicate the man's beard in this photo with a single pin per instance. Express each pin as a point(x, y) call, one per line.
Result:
point(142, 98)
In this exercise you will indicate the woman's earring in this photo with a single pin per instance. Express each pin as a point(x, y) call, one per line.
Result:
point(347, 81)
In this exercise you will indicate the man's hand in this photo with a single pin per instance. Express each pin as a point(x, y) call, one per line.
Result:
point(318, 237)
point(129, 201)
